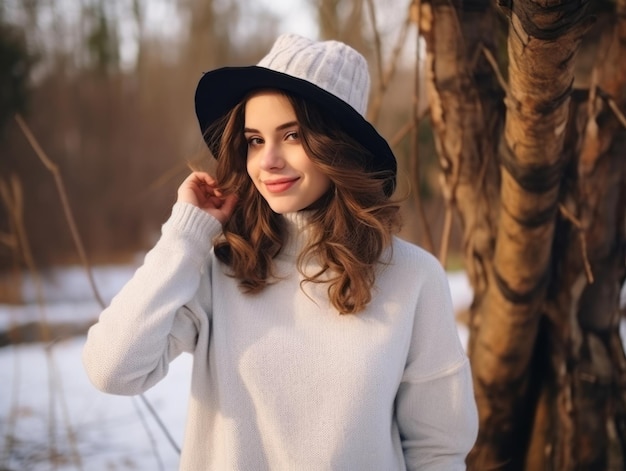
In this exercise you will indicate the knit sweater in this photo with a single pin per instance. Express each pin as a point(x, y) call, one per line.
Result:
point(282, 381)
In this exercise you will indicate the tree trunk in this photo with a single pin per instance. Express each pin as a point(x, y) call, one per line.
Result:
point(466, 112)
point(541, 201)
point(583, 311)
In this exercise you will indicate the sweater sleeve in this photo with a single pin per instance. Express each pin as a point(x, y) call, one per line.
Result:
point(435, 405)
point(157, 314)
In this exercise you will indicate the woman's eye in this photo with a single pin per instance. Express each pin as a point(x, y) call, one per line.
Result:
point(254, 141)
point(293, 135)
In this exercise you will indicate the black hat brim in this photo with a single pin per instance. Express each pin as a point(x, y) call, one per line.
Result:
point(220, 90)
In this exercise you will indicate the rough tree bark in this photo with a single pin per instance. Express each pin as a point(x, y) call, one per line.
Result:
point(466, 112)
point(587, 372)
point(539, 186)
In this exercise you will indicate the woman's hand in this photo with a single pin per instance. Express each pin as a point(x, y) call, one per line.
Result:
point(200, 189)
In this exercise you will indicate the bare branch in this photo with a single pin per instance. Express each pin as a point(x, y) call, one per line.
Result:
point(153, 445)
point(377, 42)
point(56, 385)
point(401, 133)
point(12, 197)
point(397, 50)
point(613, 105)
point(414, 160)
point(445, 236)
point(449, 194)
point(161, 424)
point(385, 78)
point(494, 65)
point(64, 201)
point(404, 130)
point(583, 242)
point(9, 240)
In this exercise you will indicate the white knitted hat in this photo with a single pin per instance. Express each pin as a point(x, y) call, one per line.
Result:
point(331, 65)
point(329, 73)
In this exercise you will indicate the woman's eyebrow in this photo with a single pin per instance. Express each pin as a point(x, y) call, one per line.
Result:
point(282, 127)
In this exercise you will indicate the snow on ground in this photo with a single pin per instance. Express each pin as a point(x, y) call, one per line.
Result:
point(67, 295)
point(46, 398)
point(109, 430)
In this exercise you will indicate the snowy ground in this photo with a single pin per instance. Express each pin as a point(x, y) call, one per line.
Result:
point(48, 408)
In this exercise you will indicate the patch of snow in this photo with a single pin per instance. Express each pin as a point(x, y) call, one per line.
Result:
point(72, 284)
point(44, 387)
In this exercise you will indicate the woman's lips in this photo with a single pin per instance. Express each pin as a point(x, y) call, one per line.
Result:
point(279, 185)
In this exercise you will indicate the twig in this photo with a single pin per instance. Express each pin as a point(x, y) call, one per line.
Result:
point(11, 202)
point(583, 242)
point(155, 449)
point(377, 42)
point(52, 393)
point(414, 161)
point(404, 130)
point(57, 385)
point(445, 236)
point(395, 53)
point(54, 379)
point(401, 133)
point(11, 194)
point(613, 105)
point(64, 201)
point(161, 424)
point(9, 434)
point(11, 240)
point(385, 77)
point(450, 201)
point(496, 69)
point(14, 201)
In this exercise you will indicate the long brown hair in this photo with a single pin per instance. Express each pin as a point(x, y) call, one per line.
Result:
point(350, 226)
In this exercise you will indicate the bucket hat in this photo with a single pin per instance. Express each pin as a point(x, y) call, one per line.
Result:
point(329, 73)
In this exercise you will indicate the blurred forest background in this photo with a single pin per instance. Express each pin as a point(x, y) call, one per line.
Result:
point(106, 89)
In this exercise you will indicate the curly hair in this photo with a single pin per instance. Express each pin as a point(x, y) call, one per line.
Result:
point(350, 225)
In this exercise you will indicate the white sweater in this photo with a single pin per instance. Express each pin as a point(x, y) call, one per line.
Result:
point(280, 380)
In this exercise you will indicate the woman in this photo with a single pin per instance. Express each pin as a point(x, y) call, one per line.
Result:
point(320, 340)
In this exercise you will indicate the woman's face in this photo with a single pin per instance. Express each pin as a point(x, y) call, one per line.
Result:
point(277, 163)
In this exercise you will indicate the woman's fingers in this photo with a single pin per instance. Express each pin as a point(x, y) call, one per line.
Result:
point(196, 188)
point(200, 189)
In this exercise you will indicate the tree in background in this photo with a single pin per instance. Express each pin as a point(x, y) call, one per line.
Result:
point(15, 64)
point(534, 166)
point(102, 39)
point(343, 21)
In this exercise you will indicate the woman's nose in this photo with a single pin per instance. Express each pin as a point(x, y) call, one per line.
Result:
point(272, 157)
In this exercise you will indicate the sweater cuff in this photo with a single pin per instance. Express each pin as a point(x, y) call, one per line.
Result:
point(190, 221)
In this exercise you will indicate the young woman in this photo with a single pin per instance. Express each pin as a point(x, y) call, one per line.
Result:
point(320, 340)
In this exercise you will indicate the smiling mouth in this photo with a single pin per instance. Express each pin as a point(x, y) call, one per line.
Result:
point(280, 185)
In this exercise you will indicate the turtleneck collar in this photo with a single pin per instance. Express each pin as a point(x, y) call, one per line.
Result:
point(296, 224)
